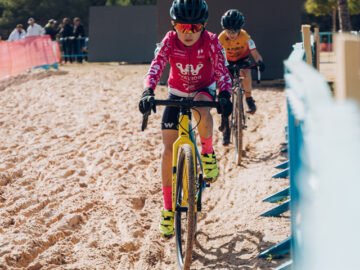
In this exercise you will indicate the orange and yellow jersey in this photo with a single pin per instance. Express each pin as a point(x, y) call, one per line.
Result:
point(238, 48)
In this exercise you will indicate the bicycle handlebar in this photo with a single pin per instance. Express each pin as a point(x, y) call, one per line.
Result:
point(238, 67)
point(184, 103)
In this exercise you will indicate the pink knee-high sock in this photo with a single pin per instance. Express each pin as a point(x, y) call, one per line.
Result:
point(167, 197)
point(206, 146)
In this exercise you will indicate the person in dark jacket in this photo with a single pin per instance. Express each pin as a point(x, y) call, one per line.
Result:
point(51, 30)
point(79, 33)
point(67, 33)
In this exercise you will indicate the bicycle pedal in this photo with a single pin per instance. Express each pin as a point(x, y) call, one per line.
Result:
point(167, 237)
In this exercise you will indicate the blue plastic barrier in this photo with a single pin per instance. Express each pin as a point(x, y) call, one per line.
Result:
point(278, 250)
point(74, 48)
point(279, 196)
point(284, 165)
point(294, 137)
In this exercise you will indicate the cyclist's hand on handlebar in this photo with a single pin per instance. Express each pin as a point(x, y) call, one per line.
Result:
point(227, 107)
point(144, 104)
point(261, 65)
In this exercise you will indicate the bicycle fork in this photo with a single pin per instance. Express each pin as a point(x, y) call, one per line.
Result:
point(181, 140)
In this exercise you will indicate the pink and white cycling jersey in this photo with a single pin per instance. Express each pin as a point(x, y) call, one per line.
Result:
point(192, 68)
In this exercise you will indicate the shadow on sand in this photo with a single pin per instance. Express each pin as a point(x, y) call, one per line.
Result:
point(240, 252)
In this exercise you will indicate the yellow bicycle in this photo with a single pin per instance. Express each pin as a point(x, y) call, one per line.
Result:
point(187, 182)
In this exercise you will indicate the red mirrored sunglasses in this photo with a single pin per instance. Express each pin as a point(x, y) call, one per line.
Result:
point(189, 28)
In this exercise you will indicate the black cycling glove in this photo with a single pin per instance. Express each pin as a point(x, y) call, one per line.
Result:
point(144, 104)
point(226, 108)
point(261, 65)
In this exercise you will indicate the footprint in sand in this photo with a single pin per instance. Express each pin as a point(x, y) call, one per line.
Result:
point(7, 177)
point(137, 203)
point(69, 173)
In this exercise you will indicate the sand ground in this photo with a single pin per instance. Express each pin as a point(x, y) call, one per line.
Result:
point(80, 183)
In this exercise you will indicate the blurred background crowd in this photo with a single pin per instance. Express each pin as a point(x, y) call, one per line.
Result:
point(70, 34)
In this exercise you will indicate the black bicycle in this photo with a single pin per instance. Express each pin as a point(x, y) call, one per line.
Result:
point(238, 116)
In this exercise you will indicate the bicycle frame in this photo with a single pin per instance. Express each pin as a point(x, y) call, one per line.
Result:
point(238, 85)
point(238, 90)
point(186, 136)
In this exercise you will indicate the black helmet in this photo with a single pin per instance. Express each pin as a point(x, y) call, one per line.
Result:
point(189, 11)
point(232, 19)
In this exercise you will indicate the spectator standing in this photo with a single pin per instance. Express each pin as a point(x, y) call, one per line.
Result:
point(51, 30)
point(17, 33)
point(79, 33)
point(34, 29)
point(67, 33)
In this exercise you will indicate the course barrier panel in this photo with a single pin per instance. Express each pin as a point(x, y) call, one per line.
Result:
point(18, 56)
point(324, 161)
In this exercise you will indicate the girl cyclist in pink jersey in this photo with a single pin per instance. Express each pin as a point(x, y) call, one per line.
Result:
point(197, 62)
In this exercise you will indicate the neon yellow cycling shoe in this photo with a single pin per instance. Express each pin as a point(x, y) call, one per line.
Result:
point(166, 226)
point(211, 169)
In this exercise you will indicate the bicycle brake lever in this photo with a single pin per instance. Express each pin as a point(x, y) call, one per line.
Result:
point(145, 121)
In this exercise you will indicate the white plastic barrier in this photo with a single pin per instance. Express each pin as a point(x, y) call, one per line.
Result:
point(325, 181)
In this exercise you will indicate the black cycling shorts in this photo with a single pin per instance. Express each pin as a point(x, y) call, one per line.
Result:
point(243, 62)
point(170, 118)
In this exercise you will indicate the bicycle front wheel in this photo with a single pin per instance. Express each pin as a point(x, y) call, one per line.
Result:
point(238, 126)
point(185, 220)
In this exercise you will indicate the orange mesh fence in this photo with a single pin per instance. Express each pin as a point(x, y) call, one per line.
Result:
point(56, 49)
point(18, 56)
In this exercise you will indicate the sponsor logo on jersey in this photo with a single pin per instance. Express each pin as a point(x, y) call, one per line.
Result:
point(158, 48)
point(251, 44)
point(179, 53)
point(185, 70)
point(224, 54)
point(154, 70)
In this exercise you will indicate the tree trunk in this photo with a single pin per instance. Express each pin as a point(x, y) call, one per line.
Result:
point(334, 20)
point(344, 17)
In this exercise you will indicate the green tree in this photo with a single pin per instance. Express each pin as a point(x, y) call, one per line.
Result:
point(329, 7)
point(322, 7)
point(18, 11)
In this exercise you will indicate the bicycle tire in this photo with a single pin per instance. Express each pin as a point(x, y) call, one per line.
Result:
point(185, 221)
point(238, 126)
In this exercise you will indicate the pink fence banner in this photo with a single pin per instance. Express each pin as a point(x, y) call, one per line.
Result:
point(18, 56)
